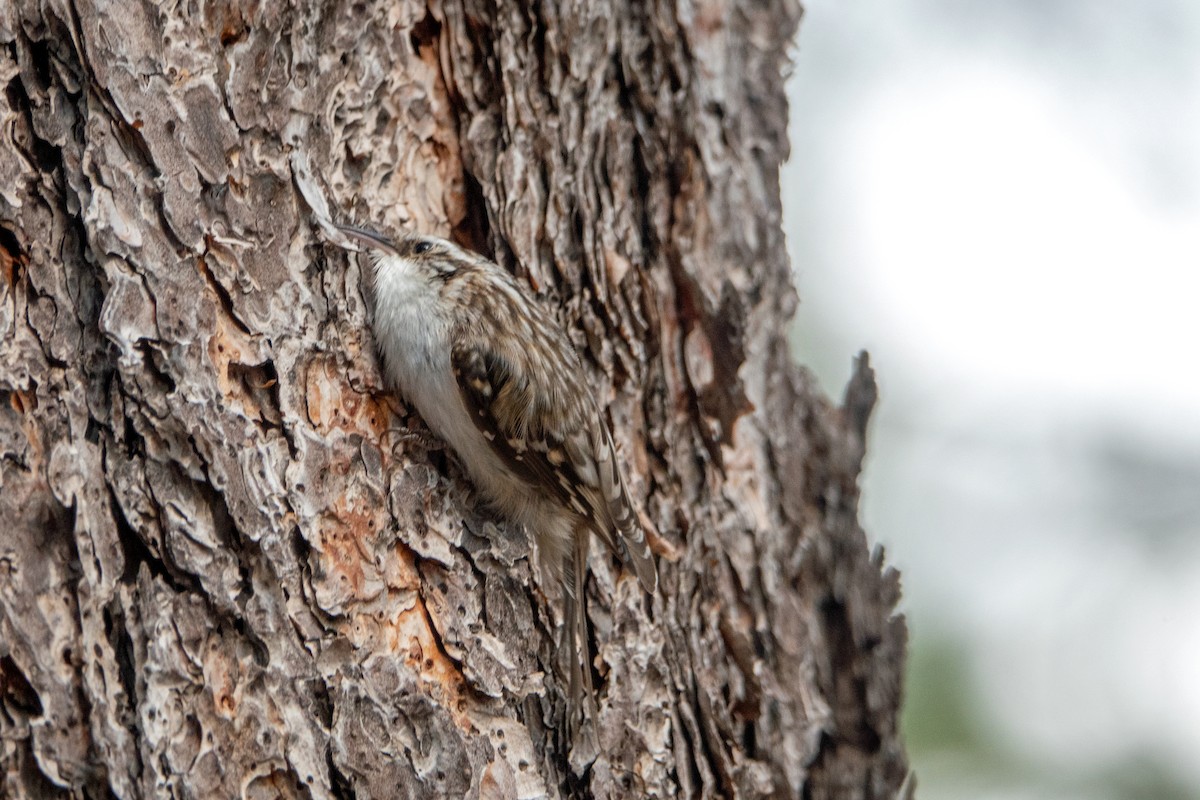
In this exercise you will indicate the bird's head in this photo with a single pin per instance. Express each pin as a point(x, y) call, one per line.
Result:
point(409, 262)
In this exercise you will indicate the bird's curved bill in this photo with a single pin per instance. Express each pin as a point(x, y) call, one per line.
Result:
point(365, 238)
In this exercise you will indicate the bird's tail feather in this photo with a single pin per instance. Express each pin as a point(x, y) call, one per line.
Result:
point(581, 705)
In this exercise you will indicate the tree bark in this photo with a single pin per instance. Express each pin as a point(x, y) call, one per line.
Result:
point(232, 564)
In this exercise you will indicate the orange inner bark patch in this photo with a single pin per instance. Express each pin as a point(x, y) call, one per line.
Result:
point(400, 573)
point(331, 402)
point(233, 27)
point(8, 266)
point(616, 265)
point(397, 624)
point(400, 628)
point(22, 401)
point(225, 348)
point(220, 675)
point(411, 636)
point(349, 571)
point(247, 382)
point(25, 403)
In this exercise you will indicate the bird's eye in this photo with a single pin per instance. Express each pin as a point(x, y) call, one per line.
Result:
point(422, 247)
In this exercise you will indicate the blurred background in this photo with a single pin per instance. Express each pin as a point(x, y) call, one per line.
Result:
point(1001, 202)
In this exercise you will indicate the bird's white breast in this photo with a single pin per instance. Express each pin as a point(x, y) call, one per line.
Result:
point(413, 336)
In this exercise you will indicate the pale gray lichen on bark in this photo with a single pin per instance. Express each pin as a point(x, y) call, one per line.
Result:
point(230, 565)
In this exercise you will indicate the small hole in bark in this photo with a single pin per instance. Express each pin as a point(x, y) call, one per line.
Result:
point(474, 231)
point(39, 53)
point(424, 33)
point(48, 156)
point(8, 241)
point(14, 93)
point(233, 32)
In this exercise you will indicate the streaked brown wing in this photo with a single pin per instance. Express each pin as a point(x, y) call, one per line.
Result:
point(501, 400)
point(568, 454)
point(630, 540)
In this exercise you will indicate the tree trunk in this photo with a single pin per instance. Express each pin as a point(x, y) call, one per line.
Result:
point(232, 564)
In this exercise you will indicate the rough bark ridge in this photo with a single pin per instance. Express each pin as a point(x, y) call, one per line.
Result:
point(228, 565)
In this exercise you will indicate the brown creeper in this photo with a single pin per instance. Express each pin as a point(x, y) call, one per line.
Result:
point(491, 372)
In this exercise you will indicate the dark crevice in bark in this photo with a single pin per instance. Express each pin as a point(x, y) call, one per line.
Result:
point(725, 328)
point(117, 633)
point(340, 786)
point(39, 60)
point(693, 750)
point(226, 533)
point(577, 787)
point(128, 134)
point(32, 777)
point(642, 182)
point(259, 649)
point(740, 648)
point(260, 382)
point(535, 14)
point(136, 553)
point(819, 767)
point(474, 232)
point(223, 296)
point(11, 257)
point(849, 691)
point(16, 692)
point(436, 633)
point(132, 441)
point(250, 559)
point(42, 153)
point(155, 368)
point(317, 694)
point(715, 749)
point(424, 33)
point(690, 316)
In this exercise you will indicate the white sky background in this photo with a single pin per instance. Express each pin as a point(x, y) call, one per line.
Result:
point(1001, 201)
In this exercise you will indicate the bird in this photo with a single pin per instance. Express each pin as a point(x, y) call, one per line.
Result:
point(493, 374)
